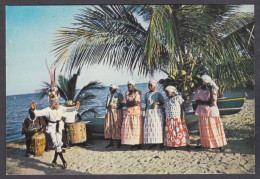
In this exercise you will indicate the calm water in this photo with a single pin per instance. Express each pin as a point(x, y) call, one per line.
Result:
point(17, 106)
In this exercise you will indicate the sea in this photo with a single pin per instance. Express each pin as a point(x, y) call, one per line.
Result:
point(17, 106)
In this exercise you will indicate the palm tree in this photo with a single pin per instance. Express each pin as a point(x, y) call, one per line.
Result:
point(180, 39)
point(67, 89)
point(200, 35)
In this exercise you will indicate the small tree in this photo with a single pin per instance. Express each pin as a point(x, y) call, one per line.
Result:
point(67, 88)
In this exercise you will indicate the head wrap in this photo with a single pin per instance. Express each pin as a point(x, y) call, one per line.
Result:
point(131, 82)
point(114, 86)
point(171, 89)
point(208, 80)
point(152, 82)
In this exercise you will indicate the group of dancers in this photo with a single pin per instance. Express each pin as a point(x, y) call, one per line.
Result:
point(164, 121)
point(163, 124)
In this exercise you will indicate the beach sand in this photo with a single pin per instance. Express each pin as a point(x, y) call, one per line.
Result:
point(239, 157)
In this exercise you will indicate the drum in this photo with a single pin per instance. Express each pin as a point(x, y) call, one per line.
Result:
point(76, 132)
point(38, 143)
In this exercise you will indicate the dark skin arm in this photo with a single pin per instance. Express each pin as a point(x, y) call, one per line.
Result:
point(80, 118)
point(211, 96)
point(43, 123)
point(24, 128)
point(130, 103)
point(182, 114)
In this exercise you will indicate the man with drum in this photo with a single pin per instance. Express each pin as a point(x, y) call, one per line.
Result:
point(30, 126)
point(70, 118)
point(54, 115)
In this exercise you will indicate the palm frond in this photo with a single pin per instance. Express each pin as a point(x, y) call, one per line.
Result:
point(86, 99)
point(107, 34)
point(93, 85)
point(41, 93)
point(89, 111)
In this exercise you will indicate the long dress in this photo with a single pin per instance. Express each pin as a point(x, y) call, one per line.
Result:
point(132, 125)
point(114, 117)
point(153, 123)
point(210, 125)
point(176, 132)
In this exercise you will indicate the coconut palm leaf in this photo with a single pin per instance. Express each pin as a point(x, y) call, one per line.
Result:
point(86, 98)
point(42, 92)
point(89, 111)
point(181, 29)
point(107, 34)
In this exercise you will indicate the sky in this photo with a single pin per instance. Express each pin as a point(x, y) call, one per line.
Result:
point(30, 31)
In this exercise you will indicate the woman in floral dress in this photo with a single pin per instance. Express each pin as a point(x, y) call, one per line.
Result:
point(132, 125)
point(176, 132)
point(210, 125)
point(154, 119)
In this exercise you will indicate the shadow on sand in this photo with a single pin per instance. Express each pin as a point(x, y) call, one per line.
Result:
point(17, 154)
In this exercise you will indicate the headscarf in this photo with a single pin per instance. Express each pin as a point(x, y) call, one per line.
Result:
point(171, 89)
point(114, 86)
point(153, 82)
point(208, 80)
point(131, 82)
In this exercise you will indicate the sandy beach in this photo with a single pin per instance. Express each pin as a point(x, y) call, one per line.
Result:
point(239, 157)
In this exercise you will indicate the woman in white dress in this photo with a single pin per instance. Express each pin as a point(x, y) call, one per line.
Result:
point(153, 122)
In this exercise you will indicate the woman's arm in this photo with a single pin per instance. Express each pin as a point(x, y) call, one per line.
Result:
point(182, 114)
point(120, 99)
point(160, 101)
point(211, 98)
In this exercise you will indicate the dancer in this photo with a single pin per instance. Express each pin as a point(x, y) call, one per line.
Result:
point(176, 132)
point(114, 116)
point(132, 125)
point(54, 115)
point(154, 119)
point(210, 125)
